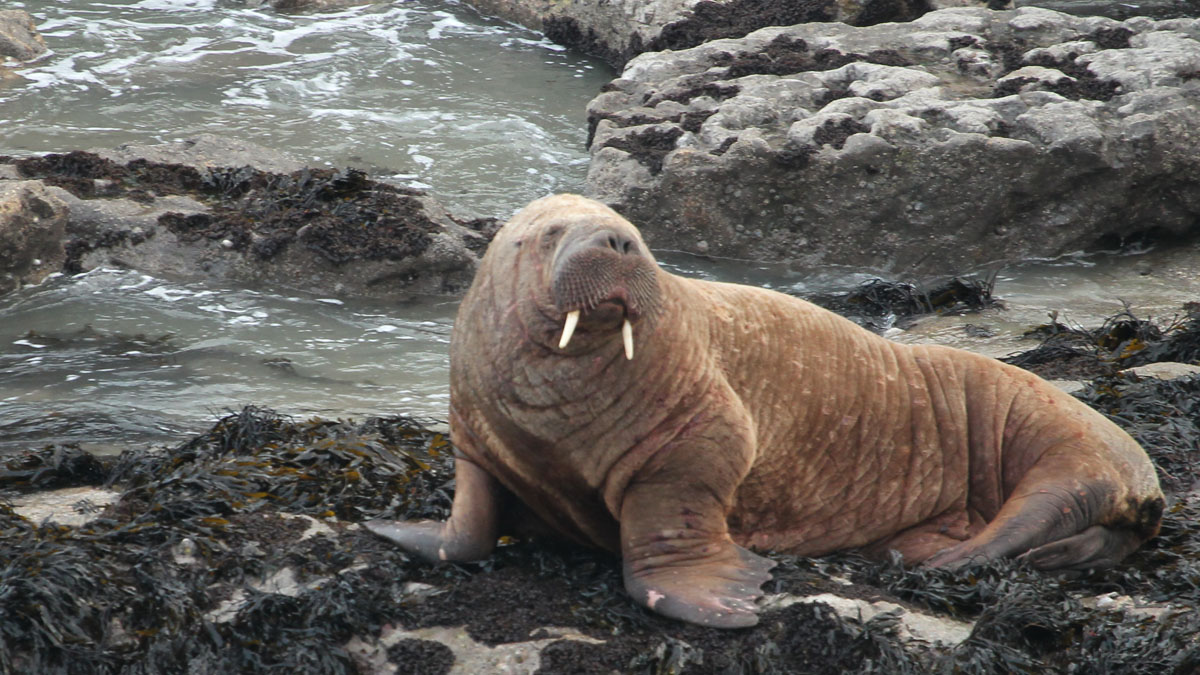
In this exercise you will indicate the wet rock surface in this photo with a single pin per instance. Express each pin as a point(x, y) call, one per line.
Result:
point(1124, 343)
point(33, 224)
point(192, 216)
point(239, 550)
point(1154, 9)
point(203, 152)
point(618, 31)
point(962, 138)
point(880, 305)
point(19, 38)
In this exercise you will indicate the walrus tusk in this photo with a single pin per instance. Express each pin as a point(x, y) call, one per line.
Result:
point(569, 328)
point(627, 336)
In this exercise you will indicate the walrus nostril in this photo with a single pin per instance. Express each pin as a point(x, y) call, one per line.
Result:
point(616, 241)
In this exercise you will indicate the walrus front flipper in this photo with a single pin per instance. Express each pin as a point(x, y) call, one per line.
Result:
point(471, 531)
point(708, 583)
point(678, 557)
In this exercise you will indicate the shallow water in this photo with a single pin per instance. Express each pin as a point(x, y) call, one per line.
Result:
point(1079, 289)
point(486, 114)
point(113, 356)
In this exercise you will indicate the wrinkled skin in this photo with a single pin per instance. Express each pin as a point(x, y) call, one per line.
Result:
point(749, 420)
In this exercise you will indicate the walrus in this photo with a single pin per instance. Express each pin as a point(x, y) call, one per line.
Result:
point(684, 424)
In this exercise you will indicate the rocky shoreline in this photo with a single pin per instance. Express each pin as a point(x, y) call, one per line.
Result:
point(928, 147)
point(240, 550)
point(963, 140)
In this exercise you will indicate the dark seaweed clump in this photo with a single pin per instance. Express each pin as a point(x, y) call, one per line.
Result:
point(139, 589)
point(785, 55)
point(169, 578)
point(57, 466)
point(878, 304)
point(648, 146)
point(1122, 341)
point(88, 176)
point(1078, 81)
point(1163, 416)
point(712, 20)
point(340, 214)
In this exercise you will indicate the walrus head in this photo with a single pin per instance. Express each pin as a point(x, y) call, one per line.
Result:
point(597, 276)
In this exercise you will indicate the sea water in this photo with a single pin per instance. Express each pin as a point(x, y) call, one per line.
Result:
point(484, 114)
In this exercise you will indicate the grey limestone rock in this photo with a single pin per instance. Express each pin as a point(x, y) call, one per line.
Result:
point(617, 30)
point(19, 38)
point(965, 137)
point(130, 234)
point(32, 225)
point(175, 231)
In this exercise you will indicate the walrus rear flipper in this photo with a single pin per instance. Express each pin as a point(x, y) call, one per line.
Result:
point(1097, 547)
point(1056, 526)
point(471, 531)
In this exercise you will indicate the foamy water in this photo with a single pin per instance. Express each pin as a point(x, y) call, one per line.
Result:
point(485, 114)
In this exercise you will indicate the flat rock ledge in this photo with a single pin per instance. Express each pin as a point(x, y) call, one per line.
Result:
point(962, 138)
point(203, 209)
point(618, 30)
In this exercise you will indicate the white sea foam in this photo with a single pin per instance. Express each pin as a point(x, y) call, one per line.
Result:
point(175, 294)
point(324, 86)
point(174, 5)
point(189, 51)
point(447, 21)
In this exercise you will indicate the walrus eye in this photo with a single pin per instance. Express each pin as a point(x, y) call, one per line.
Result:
point(550, 237)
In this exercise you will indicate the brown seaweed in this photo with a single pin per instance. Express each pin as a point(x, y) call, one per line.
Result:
point(878, 304)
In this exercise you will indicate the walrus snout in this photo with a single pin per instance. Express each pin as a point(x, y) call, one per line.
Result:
point(603, 275)
point(595, 265)
point(618, 242)
point(605, 241)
